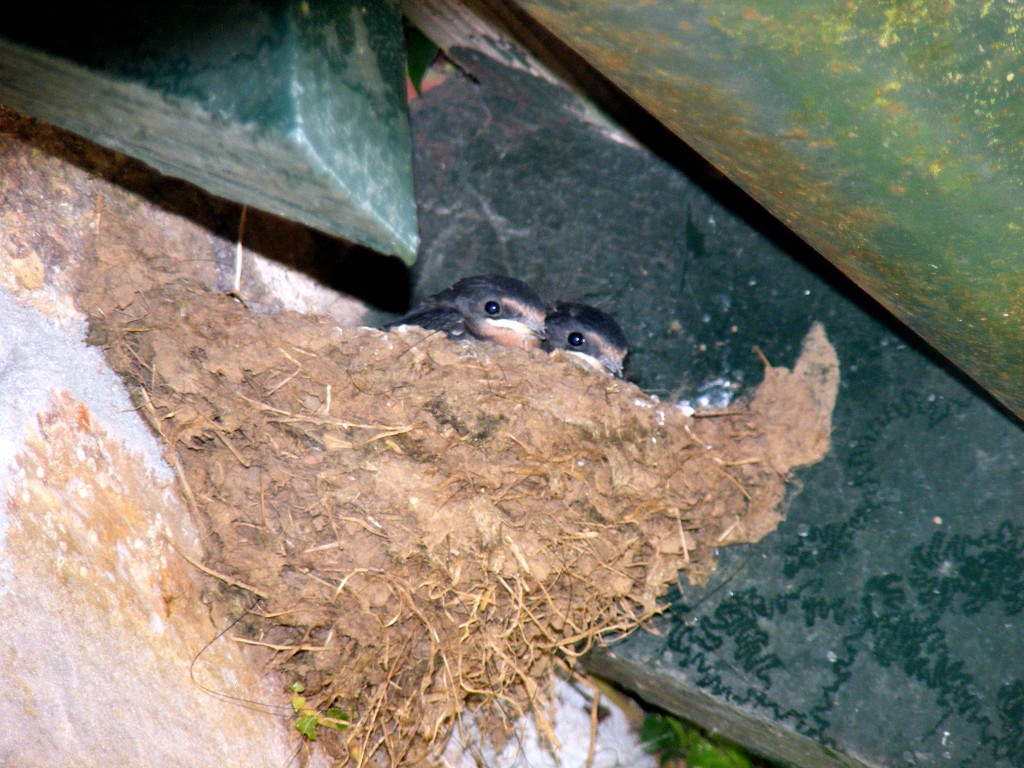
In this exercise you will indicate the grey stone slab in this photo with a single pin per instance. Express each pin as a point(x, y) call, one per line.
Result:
point(292, 107)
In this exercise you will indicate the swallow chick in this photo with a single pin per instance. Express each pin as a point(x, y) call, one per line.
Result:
point(588, 333)
point(493, 308)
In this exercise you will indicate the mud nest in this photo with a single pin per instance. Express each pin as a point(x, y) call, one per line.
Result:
point(429, 526)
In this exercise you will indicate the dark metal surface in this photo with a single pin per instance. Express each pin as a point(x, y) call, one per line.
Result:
point(883, 622)
point(293, 107)
point(887, 135)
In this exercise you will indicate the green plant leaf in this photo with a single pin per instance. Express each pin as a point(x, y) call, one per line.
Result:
point(663, 736)
point(672, 739)
point(420, 52)
point(296, 687)
point(306, 725)
point(706, 753)
point(298, 702)
point(340, 715)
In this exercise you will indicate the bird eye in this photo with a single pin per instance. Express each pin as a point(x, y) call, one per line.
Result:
point(576, 339)
point(492, 308)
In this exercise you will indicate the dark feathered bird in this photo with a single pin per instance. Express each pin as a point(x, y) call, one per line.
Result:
point(494, 308)
point(589, 333)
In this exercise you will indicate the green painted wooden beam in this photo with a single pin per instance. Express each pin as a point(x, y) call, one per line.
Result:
point(890, 136)
point(296, 107)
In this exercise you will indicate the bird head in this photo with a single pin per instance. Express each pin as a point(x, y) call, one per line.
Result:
point(500, 309)
point(588, 333)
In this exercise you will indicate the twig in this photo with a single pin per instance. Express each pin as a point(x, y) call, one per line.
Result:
point(274, 647)
point(227, 444)
point(221, 576)
point(736, 482)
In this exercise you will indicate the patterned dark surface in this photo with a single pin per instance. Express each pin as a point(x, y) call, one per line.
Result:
point(885, 617)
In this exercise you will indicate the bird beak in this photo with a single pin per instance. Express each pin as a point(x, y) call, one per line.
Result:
point(590, 360)
point(597, 364)
point(514, 333)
